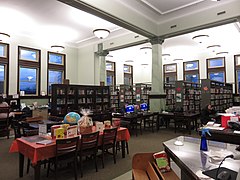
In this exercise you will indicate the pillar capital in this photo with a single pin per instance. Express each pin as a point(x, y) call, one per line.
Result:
point(156, 40)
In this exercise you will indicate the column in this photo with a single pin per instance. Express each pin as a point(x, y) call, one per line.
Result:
point(102, 63)
point(157, 103)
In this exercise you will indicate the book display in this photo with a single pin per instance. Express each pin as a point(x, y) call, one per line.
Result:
point(126, 95)
point(114, 98)
point(187, 96)
point(142, 92)
point(170, 95)
point(218, 94)
point(67, 98)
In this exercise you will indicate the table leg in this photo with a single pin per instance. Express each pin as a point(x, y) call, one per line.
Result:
point(21, 164)
point(189, 126)
point(37, 171)
point(123, 144)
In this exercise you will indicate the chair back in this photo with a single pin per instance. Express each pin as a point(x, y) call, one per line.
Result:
point(89, 143)
point(4, 119)
point(156, 116)
point(67, 147)
point(109, 136)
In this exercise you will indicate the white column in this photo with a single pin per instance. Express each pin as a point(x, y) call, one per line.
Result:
point(157, 75)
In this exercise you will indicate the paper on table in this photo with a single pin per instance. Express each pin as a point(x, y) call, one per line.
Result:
point(237, 132)
point(44, 142)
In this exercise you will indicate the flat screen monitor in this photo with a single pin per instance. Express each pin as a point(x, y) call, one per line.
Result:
point(144, 106)
point(129, 109)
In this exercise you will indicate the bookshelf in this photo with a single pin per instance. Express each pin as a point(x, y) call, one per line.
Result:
point(114, 98)
point(188, 96)
point(126, 95)
point(218, 94)
point(66, 98)
point(170, 96)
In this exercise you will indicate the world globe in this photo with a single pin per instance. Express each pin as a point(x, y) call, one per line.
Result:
point(71, 118)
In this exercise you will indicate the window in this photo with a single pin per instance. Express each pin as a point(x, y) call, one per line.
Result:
point(170, 73)
point(191, 71)
point(237, 73)
point(4, 68)
point(28, 70)
point(128, 74)
point(56, 69)
point(111, 74)
point(216, 69)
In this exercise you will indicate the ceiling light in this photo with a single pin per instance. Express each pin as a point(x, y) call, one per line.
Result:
point(165, 55)
point(213, 47)
point(129, 61)
point(222, 53)
point(145, 49)
point(4, 37)
point(57, 48)
point(200, 38)
point(215, 0)
point(101, 33)
point(178, 60)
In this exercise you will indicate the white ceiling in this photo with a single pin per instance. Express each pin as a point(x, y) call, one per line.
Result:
point(59, 23)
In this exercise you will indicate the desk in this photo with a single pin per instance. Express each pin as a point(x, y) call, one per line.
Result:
point(191, 160)
point(36, 153)
point(189, 117)
point(226, 135)
point(49, 124)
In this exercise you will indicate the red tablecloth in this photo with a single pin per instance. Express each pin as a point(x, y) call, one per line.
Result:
point(36, 152)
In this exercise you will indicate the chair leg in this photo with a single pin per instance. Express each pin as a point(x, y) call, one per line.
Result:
point(127, 147)
point(103, 158)
point(75, 169)
point(95, 158)
point(175, 127)
point(114, 155)
point(28, 165)
point(81, 166)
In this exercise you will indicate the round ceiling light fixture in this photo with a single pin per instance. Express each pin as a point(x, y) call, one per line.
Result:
point(57, 48)
point(4, 37)
point(200, 38)
point(101, 33)
point(213, 48)
point(178, 59)
point(129, 61)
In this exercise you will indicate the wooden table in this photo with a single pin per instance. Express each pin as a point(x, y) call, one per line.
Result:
point(189, 117)
point(27, 147)
point(191, 160)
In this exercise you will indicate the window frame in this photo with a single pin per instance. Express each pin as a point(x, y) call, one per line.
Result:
point(191, 72)
point(5, 62)
point(236, 68)
point(169, 74)
point(112, 72)
point(30, 64)
point(128, 74)
point(216, 69)
point(55, 67)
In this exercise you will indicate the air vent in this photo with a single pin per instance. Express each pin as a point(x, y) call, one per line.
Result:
point(112, 43)
point(173, 26)
point(220, 13)
point(136, 36)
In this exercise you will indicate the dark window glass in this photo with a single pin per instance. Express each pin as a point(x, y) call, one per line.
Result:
point(191, 66)
point(109, 67)
point(2, 50)
point(192, 78)
point(170, 79)
point(55, 77)
point(2, 79)
point(27, 54)
point(127, 69)
point(28, 80)
point(55, 58)
point(215, 63)
point(109, 80)
point(217, 76)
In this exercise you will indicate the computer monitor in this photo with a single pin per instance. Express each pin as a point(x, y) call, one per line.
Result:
point(144, 106)
point(129, 109)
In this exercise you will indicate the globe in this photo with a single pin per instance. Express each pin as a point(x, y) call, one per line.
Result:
point(71, 118)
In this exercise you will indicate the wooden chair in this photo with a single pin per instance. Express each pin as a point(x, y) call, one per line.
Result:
point(179, 121)
point(4, 121)
point(108, 142)
point(136, 123)
point(152, 121)
point(88, 147)
point(66, 152)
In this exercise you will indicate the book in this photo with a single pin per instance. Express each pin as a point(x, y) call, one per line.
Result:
point(162, 161)
point(59, 132)
point(71, 131)
point(44, 142)
point(53, 128)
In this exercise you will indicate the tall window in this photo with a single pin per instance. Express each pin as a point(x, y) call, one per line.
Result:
point(191, 71)
point(111, 73)
point(216, 69)
point(4, 68)
point(29, 61)
point(170, 73)
point(56, 69)
point(237, 73)
point(128, 74)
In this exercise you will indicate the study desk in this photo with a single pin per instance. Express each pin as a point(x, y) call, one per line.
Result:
point(189, 117)
point(27, 147)
point(192, 161)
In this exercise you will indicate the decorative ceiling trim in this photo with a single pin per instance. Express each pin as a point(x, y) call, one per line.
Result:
point(148, 4)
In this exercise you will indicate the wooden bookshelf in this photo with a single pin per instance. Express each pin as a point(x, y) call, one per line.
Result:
point(170, 96)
